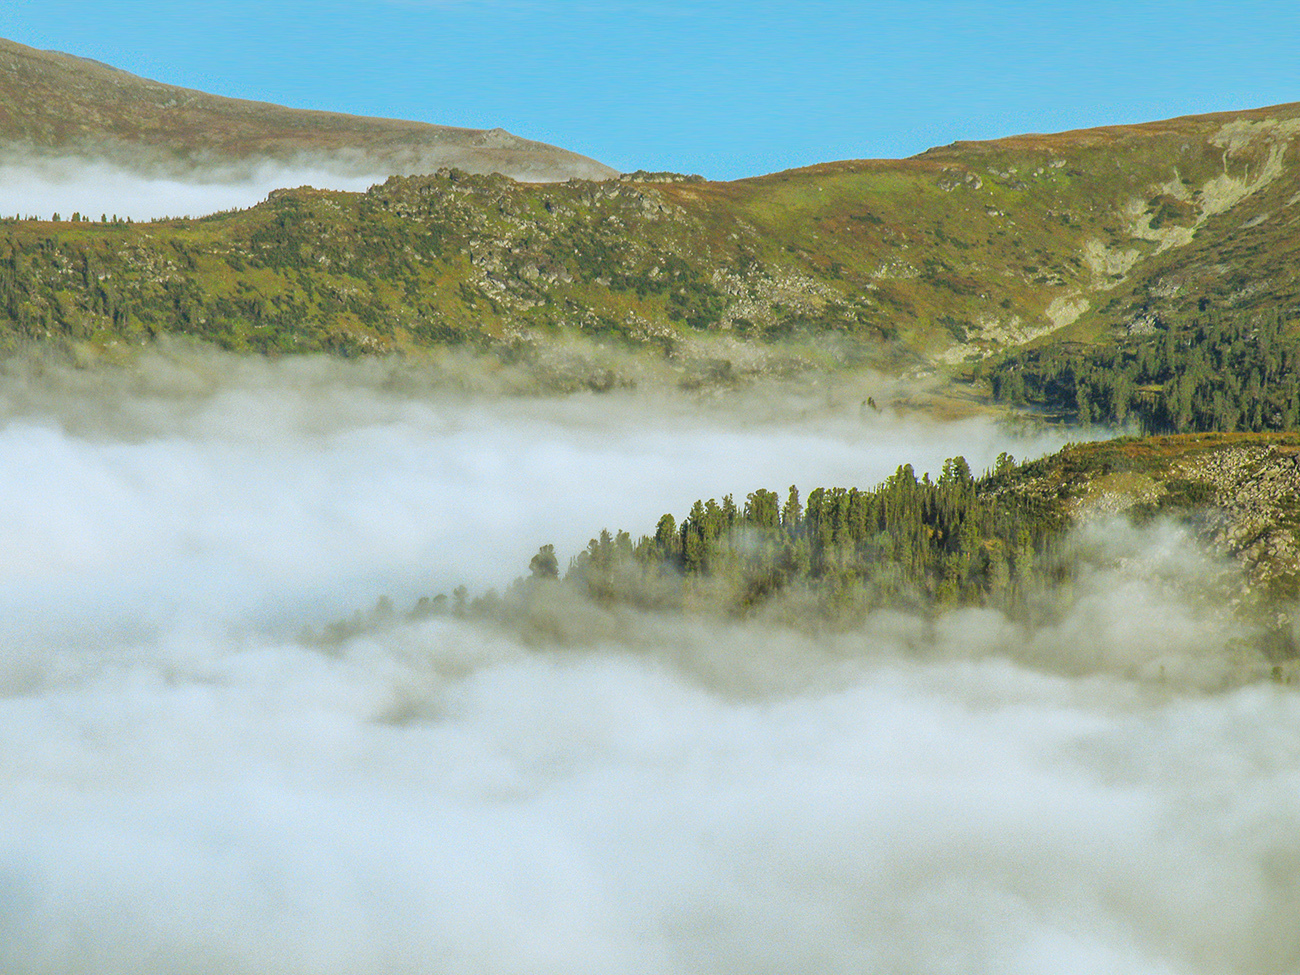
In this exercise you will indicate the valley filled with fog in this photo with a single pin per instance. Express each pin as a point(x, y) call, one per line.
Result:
point(191, 782)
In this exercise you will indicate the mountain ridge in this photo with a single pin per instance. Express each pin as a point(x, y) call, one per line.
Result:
point(948, 258)
point(53, 103)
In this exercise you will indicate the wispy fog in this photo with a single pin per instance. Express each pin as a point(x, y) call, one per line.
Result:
point(44, 187)
point(188, 785)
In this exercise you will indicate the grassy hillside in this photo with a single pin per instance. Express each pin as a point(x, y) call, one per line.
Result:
point(54, 104)
point(957, 254)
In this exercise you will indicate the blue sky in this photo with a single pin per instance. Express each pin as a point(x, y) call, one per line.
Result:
point(721, 88)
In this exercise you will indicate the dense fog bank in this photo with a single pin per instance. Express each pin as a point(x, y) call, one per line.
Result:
point(219, 490)
point(192, 786)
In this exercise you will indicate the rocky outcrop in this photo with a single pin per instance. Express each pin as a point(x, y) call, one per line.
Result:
point(1238, 494)
point(1253, 519)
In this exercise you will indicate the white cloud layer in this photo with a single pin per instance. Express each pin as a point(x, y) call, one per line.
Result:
point(188, 787)
point(43, 188)
point(233, 491)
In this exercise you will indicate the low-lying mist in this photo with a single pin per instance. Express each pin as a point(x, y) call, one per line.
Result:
point(190, 785)
point(42, 187)
point(250, 493)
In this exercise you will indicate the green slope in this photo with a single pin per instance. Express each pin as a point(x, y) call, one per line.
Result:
point(956, 254)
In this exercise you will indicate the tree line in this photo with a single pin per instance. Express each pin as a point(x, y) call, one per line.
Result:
point(1218, 372)
point(911, 542)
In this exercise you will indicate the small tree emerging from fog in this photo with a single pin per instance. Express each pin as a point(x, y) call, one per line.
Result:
point(544, 564)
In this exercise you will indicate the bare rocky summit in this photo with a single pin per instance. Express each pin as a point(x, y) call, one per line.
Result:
point(57, 105)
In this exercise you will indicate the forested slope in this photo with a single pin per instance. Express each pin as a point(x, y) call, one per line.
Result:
point(1209, 522)
point(960, 539)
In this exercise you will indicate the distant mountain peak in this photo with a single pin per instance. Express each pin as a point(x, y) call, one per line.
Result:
point(57, 104)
